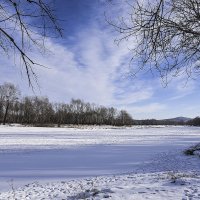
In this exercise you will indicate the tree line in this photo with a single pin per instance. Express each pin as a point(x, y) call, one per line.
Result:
point(40, 111)
point(192, 122)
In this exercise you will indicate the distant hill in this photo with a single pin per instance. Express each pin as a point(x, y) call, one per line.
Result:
point(179, 119)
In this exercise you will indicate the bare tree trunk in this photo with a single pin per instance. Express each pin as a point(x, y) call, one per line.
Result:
point(5, 116)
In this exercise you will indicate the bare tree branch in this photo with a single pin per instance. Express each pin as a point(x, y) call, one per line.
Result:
point(167, 34)
point(25, 25)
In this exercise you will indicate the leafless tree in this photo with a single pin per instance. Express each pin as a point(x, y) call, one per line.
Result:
point(166, 33)
point(8, 94)
point(24, 25)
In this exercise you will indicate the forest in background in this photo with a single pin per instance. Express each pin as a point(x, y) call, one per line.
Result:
point(39, 111)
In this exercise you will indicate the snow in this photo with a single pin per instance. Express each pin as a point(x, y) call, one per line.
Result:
point(98, 163)
point(159, 186)
point(48, 138)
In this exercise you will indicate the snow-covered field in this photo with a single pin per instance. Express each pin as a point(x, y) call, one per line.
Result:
point(16, 138)
point(98, 163)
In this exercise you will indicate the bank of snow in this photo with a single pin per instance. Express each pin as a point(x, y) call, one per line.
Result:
point(155, 186)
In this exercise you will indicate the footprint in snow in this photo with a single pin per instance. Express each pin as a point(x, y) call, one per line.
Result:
point(121, 188)
point(191, 193)
point(141, 192)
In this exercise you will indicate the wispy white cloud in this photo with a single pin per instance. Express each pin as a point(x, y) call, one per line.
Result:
point(90, 71)
point(182, 87)
point(93, 68)
point(149, 108)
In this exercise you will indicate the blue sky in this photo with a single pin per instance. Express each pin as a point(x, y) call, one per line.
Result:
point(89, 65)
